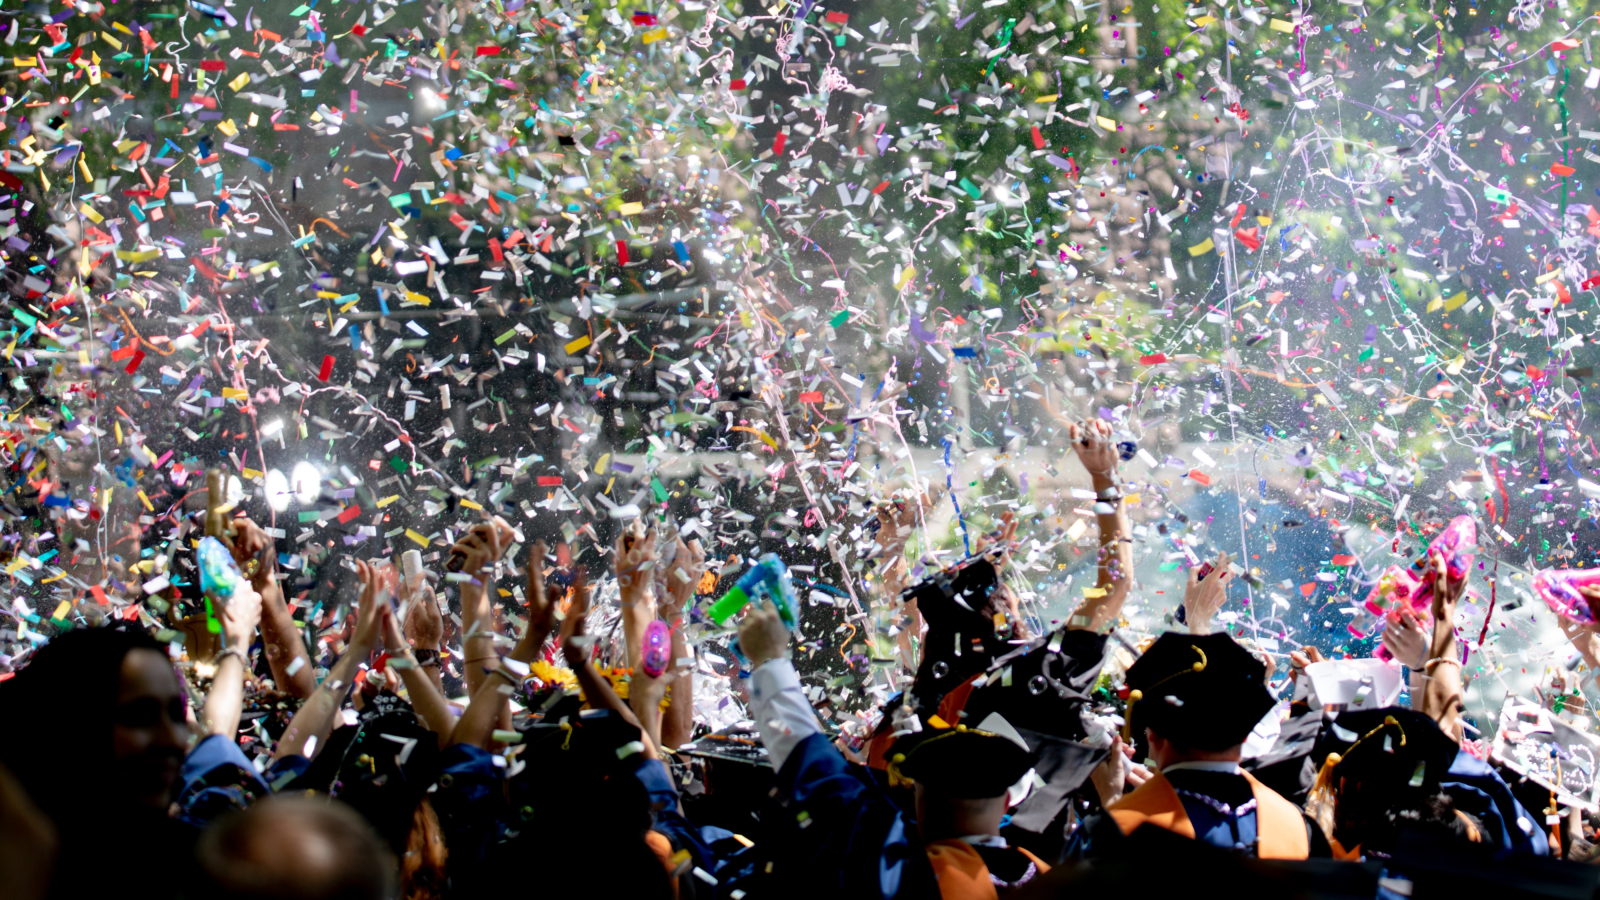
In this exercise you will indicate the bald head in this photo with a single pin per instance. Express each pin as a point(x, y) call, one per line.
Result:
point(296, 848)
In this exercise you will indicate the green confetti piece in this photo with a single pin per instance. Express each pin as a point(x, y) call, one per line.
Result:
point(510, 333)
point(839, 318)
point(972, 189)
point(660, 490)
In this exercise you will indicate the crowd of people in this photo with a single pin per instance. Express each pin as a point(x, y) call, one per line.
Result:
point(258, 764)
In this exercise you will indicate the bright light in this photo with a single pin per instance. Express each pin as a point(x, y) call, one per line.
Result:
point(233, 490)
point(278, 494)
point(307, 481)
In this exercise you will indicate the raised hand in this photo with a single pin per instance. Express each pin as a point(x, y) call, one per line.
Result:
point(574, 646)
point(247, 545)
point(691, 560)
point(483, 545)
point(543, 602)
point(1202, 597)
point(368, 625)
point(239, 618)
point(1095, 449)
point(1407, 639)
point(424, 624)
point(762, 634)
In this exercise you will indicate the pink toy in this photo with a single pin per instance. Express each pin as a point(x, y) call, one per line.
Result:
point(1559, 588)
point(657, 649)
point(1413, 587)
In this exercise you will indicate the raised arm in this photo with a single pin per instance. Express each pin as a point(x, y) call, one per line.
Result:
point(1099, 455)
point(1442, 698)
point(635, 567)
point(238, 617)
point(483, 546)
point(543, 602)
point(1202, 597)
point(778, 706)
point(424, 628)
point(254, 551)
point(426, 697)
point(677, 725)
point(316, 715)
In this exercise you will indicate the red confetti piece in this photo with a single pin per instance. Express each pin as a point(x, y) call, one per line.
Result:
point(1563, 171)
point(1589, 283)
point(1152, 359)
point(1038, 139)
point(1200, 477)
point(358, 30)
point(1344, 559)
point(811, 397)
point(348, 513)
point(737, 84)
point(487, 51)
point(879, 188)
point(622, 252)
point(213, 65)
point(778, 142)
point(327, 369)
point(138, 357)
point(838, 18)
point(549, 480)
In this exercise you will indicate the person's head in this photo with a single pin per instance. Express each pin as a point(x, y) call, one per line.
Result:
point(295, 848)
point(964, 779)
point(1196, 697)
point(1381, 774)
point(103, 707)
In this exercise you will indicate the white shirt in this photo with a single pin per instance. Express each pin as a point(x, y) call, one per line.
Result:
point(1231, 768)
point(780, 710)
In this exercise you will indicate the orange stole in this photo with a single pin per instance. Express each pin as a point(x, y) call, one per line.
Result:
point(962, 874)
point(1280, 829)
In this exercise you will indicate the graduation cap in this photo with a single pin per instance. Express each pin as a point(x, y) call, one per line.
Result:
point(1394, 746)
point(964, 762)
point(1199, 691)
point(961, 639)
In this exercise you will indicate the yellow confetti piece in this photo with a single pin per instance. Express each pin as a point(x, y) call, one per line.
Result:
point(1548, 276)
point(146, 501)
point(228, 128)
point(1107, 124)
point(111, 40)
point(469, 504)
point(62, 611)
point(653, 35)
point(388, 500)
point(1203, 21)
point(1454, 303)
point(1202, 248)
point(15, 564)
point(89, 212)
point(579, 344)
point(1047, 98)
point(1435, 303)
point(600, 466)
point(233, 393)
point(1281, 25)
point(1094, 593)
point(238, 83)
point(906, 274)
point(631, 209)
point(421, 540)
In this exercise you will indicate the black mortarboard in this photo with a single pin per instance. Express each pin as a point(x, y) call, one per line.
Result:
point(961, 639)
point(1394, 746)
point(1199, 691)
point(964, 762)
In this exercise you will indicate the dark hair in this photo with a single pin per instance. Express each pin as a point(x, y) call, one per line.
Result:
point(267, 852)
point(56, 715)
